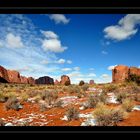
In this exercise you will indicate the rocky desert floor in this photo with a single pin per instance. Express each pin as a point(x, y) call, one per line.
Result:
point(73, 105)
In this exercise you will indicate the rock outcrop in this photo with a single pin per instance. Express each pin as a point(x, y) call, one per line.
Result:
point(91, 82)
point(45, 80)
point(3, 75)
point(120, 73)
point(65, 80)
point(14, 76)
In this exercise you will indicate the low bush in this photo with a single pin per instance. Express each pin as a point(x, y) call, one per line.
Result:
point(121, 96)
point(109, 88)
point(13, 103)
point(72, 113)
point(128, 105)
point(107, 117)
point(133, 78)
point(3, 98)
point(59, 103)
point(85, 87)
point(137, 97)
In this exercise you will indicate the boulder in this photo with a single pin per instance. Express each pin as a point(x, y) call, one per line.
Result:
point(65, 80)
point(45, 80)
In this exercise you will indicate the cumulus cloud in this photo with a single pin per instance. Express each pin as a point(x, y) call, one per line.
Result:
point(59, 18)
point(125, 28)
point(91, 69)
point(105, 76)
point(52, 42)
point(61, 61)
point(76, 68)
point(111, 67)
point(66, 69)
point(14, 41)
point(91, 75)
point(69, 61)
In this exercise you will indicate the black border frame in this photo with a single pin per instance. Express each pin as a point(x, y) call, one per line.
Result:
point(64, 8)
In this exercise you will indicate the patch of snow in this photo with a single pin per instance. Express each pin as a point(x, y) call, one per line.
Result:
point(89, 122)
point(137, 107)
point(85, 116)
point(82, 108)
point(65, 118)
point(9, 124)
point(112, 98)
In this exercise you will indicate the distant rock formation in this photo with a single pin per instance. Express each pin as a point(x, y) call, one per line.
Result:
point(45, 80)
point(12, 76)
point(120, 73)
point(56, 82)
point(91, 82)
point(65, 80)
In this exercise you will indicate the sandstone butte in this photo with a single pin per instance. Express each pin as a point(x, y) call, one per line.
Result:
point(65, 79)
point(120, 73)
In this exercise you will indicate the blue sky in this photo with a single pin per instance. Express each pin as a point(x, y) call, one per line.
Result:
point(82, 46)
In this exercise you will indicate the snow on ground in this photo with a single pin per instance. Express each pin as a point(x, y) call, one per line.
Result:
point(112, 98)
point(137, 107)
point(68, 100)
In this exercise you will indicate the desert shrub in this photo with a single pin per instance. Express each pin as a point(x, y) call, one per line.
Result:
point(1, 122)
point(137, 97)
point(133, 78)
point(121, 96)
point(43, 107)
point(72, 113)
point(3, 98)
point(24, 97)
point(81, 83)
point(85, 87)
point(103, 98)
point(49, 97)
point(34, 93)
point(107, 117)
point(73, 89)
point(109, 88)
point(59, 103)
point(128, 104)
point(13, 103)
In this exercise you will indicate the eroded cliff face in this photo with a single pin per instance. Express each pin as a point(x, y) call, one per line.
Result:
point(12, 76)
point(120, 73)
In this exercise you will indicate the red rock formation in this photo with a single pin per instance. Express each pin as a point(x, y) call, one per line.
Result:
point(3, 75)
point(31, 80)
point(120, 73)
point(24, 80)
point(56, 82)
point(134, 70)
point(14, 76)
point(91, 82)
point(65, 80)
point(45, 80)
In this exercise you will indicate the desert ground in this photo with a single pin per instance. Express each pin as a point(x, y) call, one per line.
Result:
point(72, 105)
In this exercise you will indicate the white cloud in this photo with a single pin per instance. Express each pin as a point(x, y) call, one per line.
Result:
point(105, 76)
point(91, 75)
point(104, 52)
point(45, 62)
point(111, 67)
point(66, 69)
point(49, 34)
point(125, 29)
point(61, 61)
point(76, 68)
point(69, 61)
point(51, 42)
point(59, 18)
point(14, 41)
